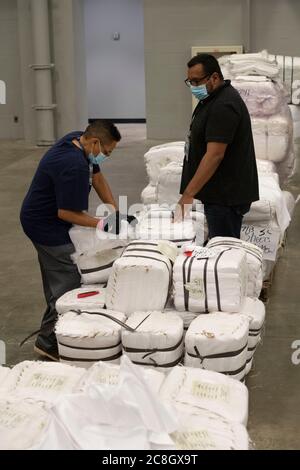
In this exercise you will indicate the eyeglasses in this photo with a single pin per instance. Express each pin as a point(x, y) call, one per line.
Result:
point(195, 82)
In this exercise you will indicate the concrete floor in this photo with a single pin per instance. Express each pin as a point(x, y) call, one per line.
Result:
point(274, 383)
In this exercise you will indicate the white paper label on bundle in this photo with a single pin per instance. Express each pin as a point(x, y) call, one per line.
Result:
point(267, 238)
point(193, 440)
point(211, 391)
point(168, 250)
point(202, 253)
point(195, 288)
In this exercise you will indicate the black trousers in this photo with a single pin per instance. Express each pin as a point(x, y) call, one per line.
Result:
point(225, 221)
point(59, 275)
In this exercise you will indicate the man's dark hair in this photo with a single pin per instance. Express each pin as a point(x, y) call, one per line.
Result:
point(104, 130)
point(209, 62)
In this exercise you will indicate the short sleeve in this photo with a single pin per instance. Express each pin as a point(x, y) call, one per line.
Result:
point(222, 123)
point(72, 189)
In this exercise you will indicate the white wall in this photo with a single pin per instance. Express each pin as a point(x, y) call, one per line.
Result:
point(115, 69)
point(10, 72)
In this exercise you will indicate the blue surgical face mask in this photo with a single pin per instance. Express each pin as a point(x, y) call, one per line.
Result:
point(200, 92)
point(98, 159)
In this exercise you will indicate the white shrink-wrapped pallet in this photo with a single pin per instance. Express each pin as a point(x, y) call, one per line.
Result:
point(158, 158)
point(207, 280)
point(85, 337)
point(21, 424)
point(109, 374)
point(193, 390)
point(141, 278)
point(218, 342)
point(168, 186)
point(157, 340)
point(207, 431)
point(43, 382)
point(254, 256)
point(158, 225)
point(86, 297)
point(255, 311)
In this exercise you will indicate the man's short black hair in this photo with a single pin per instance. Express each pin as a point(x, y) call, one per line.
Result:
point(209, 62)
point(103, 129)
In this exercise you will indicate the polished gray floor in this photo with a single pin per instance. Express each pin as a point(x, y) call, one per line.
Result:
point(274, 383)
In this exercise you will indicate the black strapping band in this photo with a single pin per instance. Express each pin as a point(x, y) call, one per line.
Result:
point(154, 350)
point(83, 359)
point(89, 349)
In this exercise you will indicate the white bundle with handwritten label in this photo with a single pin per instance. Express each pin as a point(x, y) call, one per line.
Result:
point(85, 337)
point(107, 373)
point(193, 390)
point(43, 382)
point(141, 278)
point(207, 431)
point(86, 297)
point(21, 424)
point(157, 340)
point(218, 342)
point(207, 280)
point(158, 157)
point(254, 256)
point(158, 225)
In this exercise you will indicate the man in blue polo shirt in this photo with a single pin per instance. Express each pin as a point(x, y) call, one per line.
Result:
point(56, 199)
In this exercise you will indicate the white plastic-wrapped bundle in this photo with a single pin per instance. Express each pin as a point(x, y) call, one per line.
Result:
point(95, 267)
point(218, 342)
point(168, 186)
point(187, 318)
point(262, 96)
point(43, 382)
point(141, 278)
point(158, 158)
point(158, 225)
point(109, 374)
point(289, 202)
point(290, 75)
point(149, 195)
point(255, 311)
point(254, 256)
point(178, 143)
point(271, 204)
point(4, 375)
point(200, 224)
point(208, 431)
point(258, 63)
point(193, 390)
point(266, 167)
point(21, 424)
point(89, 336)
point(87, 297)
point(207, 280)
point(157, 340)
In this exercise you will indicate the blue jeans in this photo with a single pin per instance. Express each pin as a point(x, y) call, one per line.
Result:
point(225, 221)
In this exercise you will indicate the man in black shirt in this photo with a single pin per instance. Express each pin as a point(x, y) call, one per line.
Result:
point(219, 164)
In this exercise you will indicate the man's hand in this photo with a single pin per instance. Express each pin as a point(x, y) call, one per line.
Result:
point(183, 207)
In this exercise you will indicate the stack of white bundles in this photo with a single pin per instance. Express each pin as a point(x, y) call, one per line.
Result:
point(158, 225)
point(95, 263)
point(218, 342)
point(84, 337)
point(290, 75)
point(259, 63)
point(187, 318)
point(255, 311)
point(262, 96)
point(271, 205)
point(142, 277)
point(109, 374)
point(158, 158)
point(208, 431)
point(168, 186)
point(87, 297)
point(21, 424)
point(254, 256)
point(44, 382)
point(207, 280)
point(157, 339)
point(193, 390)
point(149, 195)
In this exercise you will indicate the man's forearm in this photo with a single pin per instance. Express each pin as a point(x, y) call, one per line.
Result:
point(103, 190)
point(77, 218)
point(207, 168)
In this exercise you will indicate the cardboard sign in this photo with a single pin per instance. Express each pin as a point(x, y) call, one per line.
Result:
point(267, 238)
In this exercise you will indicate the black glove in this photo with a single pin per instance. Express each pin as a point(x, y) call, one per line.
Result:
point(131, 220)
point(111, 223)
